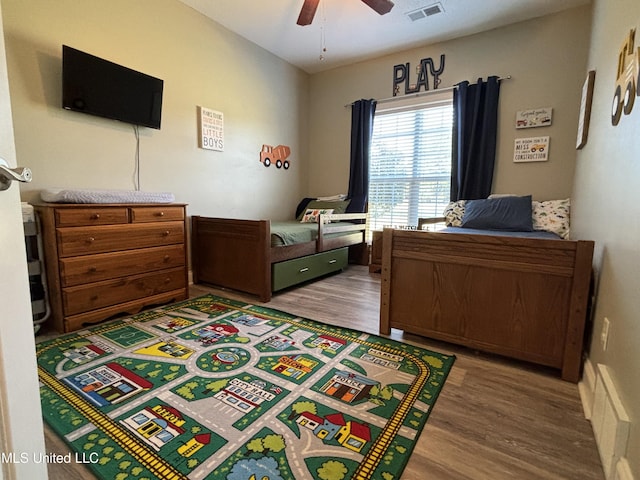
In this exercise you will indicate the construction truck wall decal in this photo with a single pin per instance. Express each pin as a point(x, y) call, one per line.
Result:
point(277, 155)
point(627, 79)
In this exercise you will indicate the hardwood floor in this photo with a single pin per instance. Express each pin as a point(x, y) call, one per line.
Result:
point(495, 418)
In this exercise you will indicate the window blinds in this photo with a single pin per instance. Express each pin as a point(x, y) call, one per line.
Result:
point(410, 163)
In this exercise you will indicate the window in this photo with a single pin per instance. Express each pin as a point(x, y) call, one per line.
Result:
point(410, 163)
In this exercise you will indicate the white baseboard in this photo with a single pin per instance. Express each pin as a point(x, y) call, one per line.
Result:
point(610, 423)
point(587, 387)
point(623, 470)
point(608, 419)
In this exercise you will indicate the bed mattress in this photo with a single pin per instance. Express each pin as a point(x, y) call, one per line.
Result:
point(502, 233)
point(294, 232)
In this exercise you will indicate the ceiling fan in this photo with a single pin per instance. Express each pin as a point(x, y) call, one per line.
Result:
point(309, 8)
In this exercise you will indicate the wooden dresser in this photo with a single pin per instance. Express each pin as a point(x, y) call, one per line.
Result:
point(108, 259)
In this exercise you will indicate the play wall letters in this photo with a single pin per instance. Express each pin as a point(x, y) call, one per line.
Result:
point(426, 67)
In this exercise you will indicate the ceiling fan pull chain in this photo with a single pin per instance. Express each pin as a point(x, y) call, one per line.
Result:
point(323, 46)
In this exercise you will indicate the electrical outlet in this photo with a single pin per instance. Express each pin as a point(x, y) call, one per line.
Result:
point(604, 334)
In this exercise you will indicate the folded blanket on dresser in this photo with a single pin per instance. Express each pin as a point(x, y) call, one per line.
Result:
point(104, 196)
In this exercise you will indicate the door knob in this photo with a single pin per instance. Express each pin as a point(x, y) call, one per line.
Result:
point(7, 175)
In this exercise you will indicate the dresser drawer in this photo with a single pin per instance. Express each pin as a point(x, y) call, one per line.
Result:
point(111, 238)
point(156, 214)
point(290, 272)
point(72, 217)
point(103, 266)
point(81, 320)
point(84, 298)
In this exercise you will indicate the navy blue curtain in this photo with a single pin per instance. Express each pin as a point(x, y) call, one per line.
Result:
point(362, 112)
point(475, 126)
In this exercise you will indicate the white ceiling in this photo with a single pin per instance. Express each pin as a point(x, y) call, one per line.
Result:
point(353, 32)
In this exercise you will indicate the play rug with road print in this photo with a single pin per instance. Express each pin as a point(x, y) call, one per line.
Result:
point(212, 388)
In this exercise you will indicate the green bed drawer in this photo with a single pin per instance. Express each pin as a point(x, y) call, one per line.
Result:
point(291, 272)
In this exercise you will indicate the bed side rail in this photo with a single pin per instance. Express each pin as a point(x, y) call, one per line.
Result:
point(353, 232)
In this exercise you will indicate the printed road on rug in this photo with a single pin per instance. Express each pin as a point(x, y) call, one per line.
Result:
point(212, 388)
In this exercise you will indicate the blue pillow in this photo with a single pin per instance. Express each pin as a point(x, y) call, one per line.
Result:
point(511, 214)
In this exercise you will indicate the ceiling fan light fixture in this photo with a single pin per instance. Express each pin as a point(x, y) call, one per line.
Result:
point(307, 12)
point(309, 7)
point(381, 7)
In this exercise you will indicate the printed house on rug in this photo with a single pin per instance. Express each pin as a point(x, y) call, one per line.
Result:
point(213, 333)
point(295, 366)
point(348, 387)
point(86, 353)
point(349, 434)
point(156, 426)
point(244, 396)
point(109, 384)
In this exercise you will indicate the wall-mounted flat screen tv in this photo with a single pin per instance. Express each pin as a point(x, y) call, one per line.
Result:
point(99, 87)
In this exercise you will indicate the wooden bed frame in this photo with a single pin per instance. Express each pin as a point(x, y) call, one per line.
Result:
point(237, 254)
point(523, 298)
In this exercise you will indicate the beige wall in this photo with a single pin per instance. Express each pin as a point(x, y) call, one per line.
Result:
point(263, 98)
point(546, 58)
point(606, 209)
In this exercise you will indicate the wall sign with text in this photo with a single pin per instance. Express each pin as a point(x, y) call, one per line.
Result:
point(535, 117)
point(211, 129)
point(532, 149)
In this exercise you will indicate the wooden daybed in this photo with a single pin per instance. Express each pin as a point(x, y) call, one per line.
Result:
point(238, 254)
point(519, 297)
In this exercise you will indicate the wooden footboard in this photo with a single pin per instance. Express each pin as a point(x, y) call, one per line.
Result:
point(232, 253)
point(518, 297)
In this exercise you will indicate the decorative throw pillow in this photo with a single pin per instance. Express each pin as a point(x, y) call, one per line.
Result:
point(453, 213)
point(511, 214)
point(311, 215)
point(338, 206)
point(552, 216)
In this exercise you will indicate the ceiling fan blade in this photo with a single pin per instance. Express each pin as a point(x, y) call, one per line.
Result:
point(307, 12)
point(380, 6)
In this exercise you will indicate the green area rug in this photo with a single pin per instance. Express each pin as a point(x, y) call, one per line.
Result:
point(212, 388)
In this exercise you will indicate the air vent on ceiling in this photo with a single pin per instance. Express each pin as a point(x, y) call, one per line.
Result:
point(424, 12)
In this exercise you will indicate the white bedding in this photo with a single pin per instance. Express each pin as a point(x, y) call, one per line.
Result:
point(104, 196)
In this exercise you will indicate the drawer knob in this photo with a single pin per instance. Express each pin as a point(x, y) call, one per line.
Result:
point(166, 258)
point(91, 239)
point(167, 280)
point(93, 269)
point(160, 214)
point(304, 269)
point(94, 298)
point(165, 233)
point(95, 216)
point(332, 261)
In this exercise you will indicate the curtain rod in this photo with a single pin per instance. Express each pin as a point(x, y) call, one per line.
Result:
point(422, 94)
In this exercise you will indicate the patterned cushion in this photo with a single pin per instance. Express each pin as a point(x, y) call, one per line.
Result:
point(453, 213)
point(311, 215)
point(338, 206)
point(552, 216)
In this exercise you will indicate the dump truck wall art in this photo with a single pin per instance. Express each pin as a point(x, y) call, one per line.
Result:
point(277, 155)
point(627, 79)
